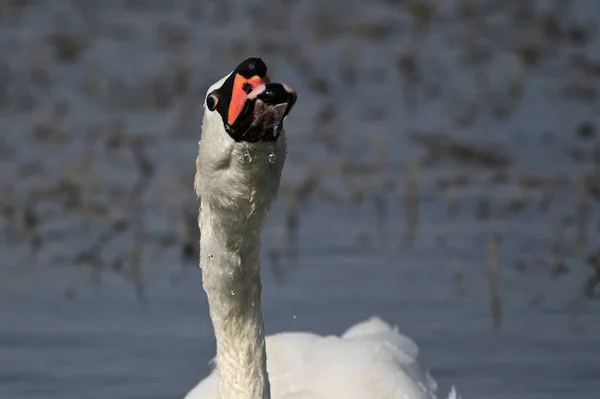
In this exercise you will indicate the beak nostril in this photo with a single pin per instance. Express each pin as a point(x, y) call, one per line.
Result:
point(247, 87)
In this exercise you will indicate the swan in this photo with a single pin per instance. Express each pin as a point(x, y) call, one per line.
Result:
point(241, 154)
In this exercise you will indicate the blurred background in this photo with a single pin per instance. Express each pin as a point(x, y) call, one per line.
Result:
point(443, 173)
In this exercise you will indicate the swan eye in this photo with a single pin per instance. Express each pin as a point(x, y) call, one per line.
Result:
point(211, 102)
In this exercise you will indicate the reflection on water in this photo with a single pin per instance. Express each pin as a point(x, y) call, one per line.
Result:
point(443, 173)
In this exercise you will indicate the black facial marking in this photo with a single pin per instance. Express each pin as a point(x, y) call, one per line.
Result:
point(224, 93)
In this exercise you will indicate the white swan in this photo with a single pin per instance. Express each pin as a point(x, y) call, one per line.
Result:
point(238, 169)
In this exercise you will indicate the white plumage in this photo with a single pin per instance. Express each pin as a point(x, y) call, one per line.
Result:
point(371, 360)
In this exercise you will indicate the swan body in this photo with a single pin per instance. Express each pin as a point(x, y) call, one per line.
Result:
point(370, 360)
point(241, 156)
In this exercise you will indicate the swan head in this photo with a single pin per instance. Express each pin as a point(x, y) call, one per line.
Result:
point(243, 145)
point(250, 107)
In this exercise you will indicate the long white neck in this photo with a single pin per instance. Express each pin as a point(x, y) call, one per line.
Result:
point(231, 279)
point(236, 183)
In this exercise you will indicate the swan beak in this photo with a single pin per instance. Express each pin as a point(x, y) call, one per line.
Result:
point(241, 88)
point(251, 106)
point(262, 111)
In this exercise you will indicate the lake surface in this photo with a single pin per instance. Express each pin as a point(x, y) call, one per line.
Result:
point(420, 134)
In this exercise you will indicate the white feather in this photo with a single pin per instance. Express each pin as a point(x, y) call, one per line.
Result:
point(371, 360)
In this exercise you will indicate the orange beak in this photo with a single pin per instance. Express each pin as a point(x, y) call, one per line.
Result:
point(241, 88)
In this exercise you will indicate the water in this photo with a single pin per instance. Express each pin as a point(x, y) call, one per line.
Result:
point(99, 296)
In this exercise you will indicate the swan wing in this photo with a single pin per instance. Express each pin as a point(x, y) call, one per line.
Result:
point(370, 360)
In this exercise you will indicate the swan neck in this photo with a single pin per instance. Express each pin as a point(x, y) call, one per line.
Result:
point(231, 278)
